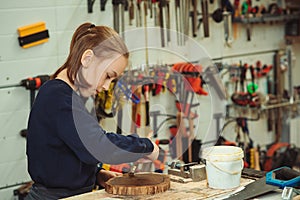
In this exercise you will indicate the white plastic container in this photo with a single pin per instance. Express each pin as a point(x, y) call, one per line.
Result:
point(224, 166)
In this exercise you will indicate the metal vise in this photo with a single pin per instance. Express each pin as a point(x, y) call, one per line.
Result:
point(193, 171)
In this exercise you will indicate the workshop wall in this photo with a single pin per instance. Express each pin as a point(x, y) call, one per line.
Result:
point(62, 18)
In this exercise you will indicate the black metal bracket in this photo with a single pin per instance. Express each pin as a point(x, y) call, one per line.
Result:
point(90, 5)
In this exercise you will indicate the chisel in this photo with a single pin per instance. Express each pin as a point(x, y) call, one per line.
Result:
point(168, 20)
point(131, 12)
point(155, 12)
point(161, 21)
point(205, 17)
point(236, 15)
point(177, 21)
point(123, 19)
point(186, 8)
point(248, 28)
point(138, 13)
point(116, 15)
point(194, 18)
point(150, 8)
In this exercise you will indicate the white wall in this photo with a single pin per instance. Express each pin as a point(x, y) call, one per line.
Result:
point(62, 17)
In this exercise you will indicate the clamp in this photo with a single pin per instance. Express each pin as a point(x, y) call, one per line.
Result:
point(288, 193)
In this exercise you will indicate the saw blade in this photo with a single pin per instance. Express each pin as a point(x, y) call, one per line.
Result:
point(254, 189)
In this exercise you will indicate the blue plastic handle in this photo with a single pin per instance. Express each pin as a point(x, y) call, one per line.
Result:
point(271, 180)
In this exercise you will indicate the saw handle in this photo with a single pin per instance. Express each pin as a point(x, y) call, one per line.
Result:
point(282, 177)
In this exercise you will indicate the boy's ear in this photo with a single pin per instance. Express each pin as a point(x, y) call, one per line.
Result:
point(86, 57)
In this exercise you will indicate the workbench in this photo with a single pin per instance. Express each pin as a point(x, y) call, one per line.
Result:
point(180, 191)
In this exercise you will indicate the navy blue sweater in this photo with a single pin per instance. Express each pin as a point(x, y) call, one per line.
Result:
point(65, 142)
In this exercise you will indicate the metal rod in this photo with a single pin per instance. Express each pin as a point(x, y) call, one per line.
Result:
point(247, 54)
point(13, 185)
point(123, 20)
point(146, 34)
point(279, 105)
point(186, 17)
point(9, 86)
point(161, 22)
point(290, 72)
point(168, 19)
point(181, 24)
point(116, 16)
point(177, 21)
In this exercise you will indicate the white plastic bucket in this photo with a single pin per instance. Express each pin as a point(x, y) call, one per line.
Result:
point(224, 166)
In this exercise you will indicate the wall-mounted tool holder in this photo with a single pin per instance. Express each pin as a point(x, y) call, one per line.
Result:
point(90, 4)
point(33, 34)
point(266, 18)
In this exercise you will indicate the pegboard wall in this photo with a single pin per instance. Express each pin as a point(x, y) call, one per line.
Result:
point(61, 19)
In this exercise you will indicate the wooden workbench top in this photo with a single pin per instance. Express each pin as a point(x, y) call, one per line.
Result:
point(180, 191)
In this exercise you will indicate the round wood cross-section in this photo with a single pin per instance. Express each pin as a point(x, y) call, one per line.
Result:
point(138, 184)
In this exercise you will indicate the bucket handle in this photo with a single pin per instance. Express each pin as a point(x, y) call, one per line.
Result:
point(228, 172)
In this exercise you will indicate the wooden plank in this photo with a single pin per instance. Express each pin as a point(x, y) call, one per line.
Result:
point(182, 191)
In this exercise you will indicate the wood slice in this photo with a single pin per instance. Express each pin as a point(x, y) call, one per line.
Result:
point(138, 184)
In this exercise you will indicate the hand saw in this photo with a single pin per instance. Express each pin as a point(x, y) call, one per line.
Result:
point(275, 179)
